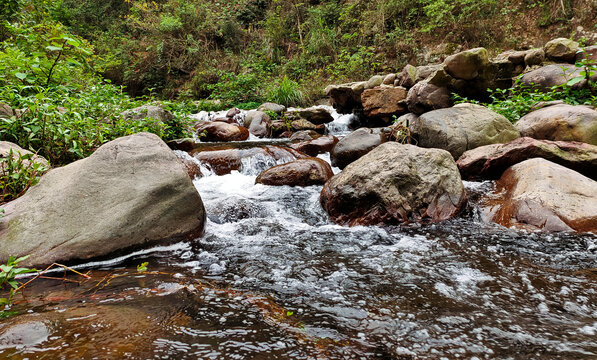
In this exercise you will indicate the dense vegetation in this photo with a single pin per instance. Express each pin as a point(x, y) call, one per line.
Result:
point(246, 50)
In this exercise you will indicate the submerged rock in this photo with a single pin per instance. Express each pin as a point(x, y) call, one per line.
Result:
point(395, 183)
point(462, 127)
point(490, 161)
point(537, 194)
point(355, 145)
point(132, 192)
point(301, 172)
point(561, 122)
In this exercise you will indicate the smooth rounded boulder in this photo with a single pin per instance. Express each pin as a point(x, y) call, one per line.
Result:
point(315, 115)
point(221, 131)
point(258, 123)
point(548, 76)
point(355, 145)
point(490, 161)
point(461, 128)
point(561, 123)
point(395, 183)
point(301, 172)
point(130, 193)
point(538, 194)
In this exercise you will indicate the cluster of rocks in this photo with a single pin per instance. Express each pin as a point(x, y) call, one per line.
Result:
point(134, 191)
point(282, 123)
point(419, 89)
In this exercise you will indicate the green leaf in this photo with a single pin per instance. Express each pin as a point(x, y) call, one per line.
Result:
point(21, 75)
point(14, 284)
point(53, 48)
point(575, 80)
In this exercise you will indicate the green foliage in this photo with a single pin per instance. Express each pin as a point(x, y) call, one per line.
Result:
point(519, 100)
point(9, 272)
point(142, 267)
point(18, 173)
point(230, 88)
point(65, 125)
point(286, 92)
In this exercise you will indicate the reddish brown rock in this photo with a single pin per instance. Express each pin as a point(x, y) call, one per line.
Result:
point(222, 159)
point(561, 123)
point(301, 172)
point(221, 131)
point(192, 168)
point(395, 183)
point(537, 194)
point(384, 101)
point(490, 161)
point(316, 146)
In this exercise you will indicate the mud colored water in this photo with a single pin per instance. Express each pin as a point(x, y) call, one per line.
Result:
point(273, 278)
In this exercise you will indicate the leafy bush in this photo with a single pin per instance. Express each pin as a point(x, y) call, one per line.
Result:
point(18, 172)
point(65, 125)
point(519, 100)
point(8, 273)
point(286, 92)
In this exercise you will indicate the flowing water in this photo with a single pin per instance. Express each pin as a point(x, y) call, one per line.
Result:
point(273, 278)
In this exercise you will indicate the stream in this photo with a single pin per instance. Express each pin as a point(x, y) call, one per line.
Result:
point(273, 278)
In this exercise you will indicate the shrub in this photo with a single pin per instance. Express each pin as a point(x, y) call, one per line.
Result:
point(18, 173)
point(286, 92)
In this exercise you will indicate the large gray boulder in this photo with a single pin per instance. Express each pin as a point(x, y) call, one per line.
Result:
point(537, 194)
point(5, 110)
point(395, 183)
point(462, 127)
point(561, 123)
point(132, 192)
point(258, 123)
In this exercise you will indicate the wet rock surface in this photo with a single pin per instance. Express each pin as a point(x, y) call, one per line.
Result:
point(395, 183)
point(301, 172)
point(537, 194)
point(314, 147)
point(221, 131)
point(223, 160)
